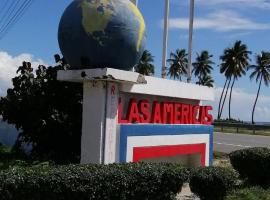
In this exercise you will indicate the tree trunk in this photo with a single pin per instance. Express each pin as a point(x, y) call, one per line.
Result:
point(253, 111)
point(221, 97)
point(225, 97)
point(230, 99)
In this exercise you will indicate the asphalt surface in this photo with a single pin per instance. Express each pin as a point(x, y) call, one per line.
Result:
point(228, 142)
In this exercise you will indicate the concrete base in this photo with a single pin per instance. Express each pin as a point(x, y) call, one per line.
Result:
point(105, 140)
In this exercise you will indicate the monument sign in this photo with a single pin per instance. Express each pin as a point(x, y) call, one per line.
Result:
point(128, 117)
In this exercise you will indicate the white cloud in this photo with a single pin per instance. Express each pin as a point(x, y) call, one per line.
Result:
point(237, 35)
point(242, 104)
point(184, 37)
point(9, 65)
point(222, 20)
point(262, 4)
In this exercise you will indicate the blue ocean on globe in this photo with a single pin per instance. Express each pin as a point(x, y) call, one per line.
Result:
point(102, 33)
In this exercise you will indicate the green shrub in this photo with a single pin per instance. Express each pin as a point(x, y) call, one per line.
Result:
point(253, 193)
point(87, 182)
point(229, 120)
point(212, 183)
point(9, 158)
point(253, 164)
point(3, 148)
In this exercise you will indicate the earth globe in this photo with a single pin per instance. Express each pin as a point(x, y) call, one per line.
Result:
point(102, 33)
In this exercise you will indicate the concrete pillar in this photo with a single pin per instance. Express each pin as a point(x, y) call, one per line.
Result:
point(94, 101)
point(99, 128)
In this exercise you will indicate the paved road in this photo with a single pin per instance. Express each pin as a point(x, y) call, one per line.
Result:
point(228, 142)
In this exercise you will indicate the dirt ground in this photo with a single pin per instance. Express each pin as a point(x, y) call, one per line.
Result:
point(186, 194)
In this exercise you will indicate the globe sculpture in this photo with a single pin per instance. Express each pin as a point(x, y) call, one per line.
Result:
point(102, 33)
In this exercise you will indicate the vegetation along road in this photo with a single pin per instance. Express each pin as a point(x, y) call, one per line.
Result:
point(228, 142)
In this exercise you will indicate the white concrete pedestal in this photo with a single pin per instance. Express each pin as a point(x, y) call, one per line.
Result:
point(105, 140)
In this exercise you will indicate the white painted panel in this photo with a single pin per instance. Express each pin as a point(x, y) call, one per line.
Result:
point(170, 88)
point(100, 74)
point(163, 140)
point(130, 83)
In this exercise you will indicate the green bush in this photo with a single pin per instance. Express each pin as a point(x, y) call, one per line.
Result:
point(212, 183)
point(9, 158)
point(253, 165)
point(87, 182)
point(253, 193)
point(3, 148)
point(229, 120)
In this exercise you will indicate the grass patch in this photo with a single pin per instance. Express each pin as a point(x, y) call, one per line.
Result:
point(9, 158)
point(241, 131)
point(221, 160)
point(4, 149)
point(220, 155)
point(253, 193)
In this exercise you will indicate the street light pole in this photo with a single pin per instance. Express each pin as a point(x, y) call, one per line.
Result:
point(165, 39)
point(191, 19)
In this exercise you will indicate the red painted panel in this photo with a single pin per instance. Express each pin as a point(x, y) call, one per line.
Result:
point(140, 153)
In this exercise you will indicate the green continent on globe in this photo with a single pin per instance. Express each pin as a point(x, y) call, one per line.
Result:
point(141, 22)
point(101, 12)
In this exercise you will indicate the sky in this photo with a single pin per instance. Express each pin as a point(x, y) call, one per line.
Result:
point(217, 25)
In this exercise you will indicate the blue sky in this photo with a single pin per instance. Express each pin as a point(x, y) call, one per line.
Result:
point(218, 24)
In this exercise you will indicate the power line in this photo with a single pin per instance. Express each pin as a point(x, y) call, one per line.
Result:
point(11, 18)
point(15, 18)
point(5, 14)
point(4, 10)
point(3, 7)
point(12, 10)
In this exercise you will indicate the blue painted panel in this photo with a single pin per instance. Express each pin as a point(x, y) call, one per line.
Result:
point(161, 129)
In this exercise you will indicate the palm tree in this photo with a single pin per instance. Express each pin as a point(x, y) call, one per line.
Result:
point(145, 65)
point(202, 67)
point(222, 96)
point(206, 80)
point(178, 64)
point(262, 72)
point(235, 61)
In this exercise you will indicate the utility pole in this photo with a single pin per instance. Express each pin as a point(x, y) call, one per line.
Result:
point(191, 19)
point(165, 39)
